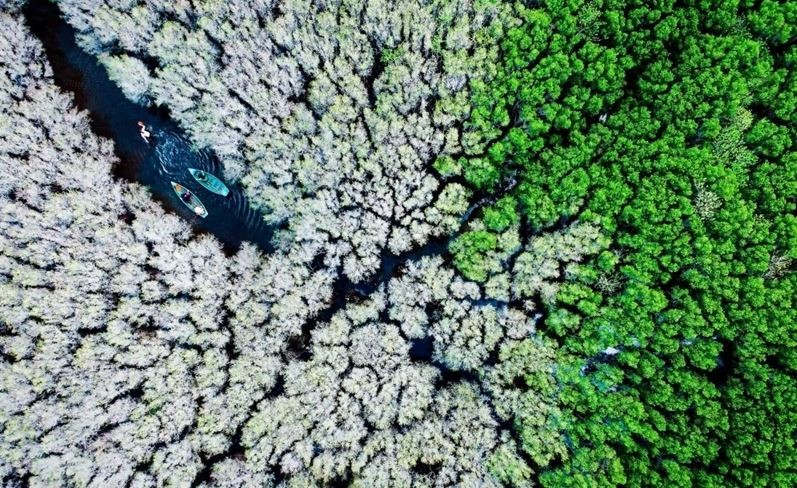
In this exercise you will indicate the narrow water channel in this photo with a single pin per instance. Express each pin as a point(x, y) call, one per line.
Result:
point(169, 153)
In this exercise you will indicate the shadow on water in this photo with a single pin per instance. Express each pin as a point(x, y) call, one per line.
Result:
point(169, 153)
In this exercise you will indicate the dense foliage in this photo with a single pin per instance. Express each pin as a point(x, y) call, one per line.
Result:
point(134, 352)
point(117, 325)
point(618, 181)
point(329, 113)
point(671, 127)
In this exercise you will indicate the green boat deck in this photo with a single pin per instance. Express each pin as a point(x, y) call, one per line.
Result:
point(210, 182)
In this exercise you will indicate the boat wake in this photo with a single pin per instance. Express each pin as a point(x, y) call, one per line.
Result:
point(168, 154)
point(174, 155)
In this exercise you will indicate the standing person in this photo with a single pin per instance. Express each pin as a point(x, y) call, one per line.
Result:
point(143, 131)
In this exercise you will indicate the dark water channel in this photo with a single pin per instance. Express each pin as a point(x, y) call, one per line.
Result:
point(167, 158)
point(169, 153)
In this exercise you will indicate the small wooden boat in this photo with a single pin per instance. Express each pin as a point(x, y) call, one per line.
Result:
point(210, 182)
point(192, 201)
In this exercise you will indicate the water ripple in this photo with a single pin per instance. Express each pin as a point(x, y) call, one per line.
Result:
point(169, 153)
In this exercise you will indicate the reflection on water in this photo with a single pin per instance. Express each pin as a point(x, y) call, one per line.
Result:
point(165, 158)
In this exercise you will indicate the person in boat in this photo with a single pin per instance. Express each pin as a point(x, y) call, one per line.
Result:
point(200, 175)
point(143, 131)
point(186, 196)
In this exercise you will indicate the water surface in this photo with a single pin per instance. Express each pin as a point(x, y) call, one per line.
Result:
point(169, 153)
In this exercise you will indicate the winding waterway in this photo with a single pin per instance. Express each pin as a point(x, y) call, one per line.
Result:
point(169, 153)
point(167, 158)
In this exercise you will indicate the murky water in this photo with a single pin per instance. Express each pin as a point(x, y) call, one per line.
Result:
point(169, 153)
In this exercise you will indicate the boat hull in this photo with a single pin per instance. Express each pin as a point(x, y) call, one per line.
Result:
point(193, 202)
point(210, 182)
